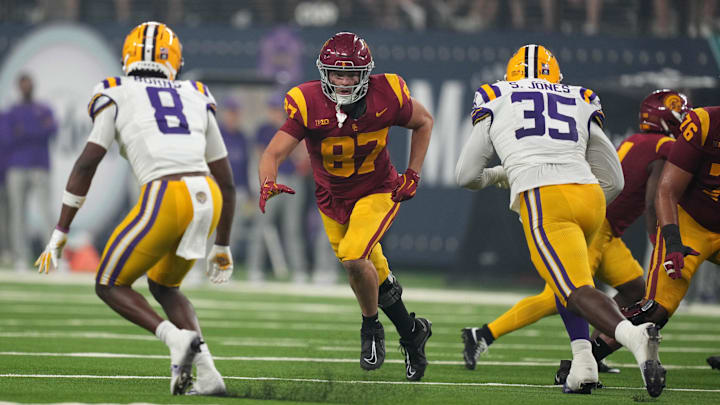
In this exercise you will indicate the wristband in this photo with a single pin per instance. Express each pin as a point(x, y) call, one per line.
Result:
point(72, 200)
point(671, 235)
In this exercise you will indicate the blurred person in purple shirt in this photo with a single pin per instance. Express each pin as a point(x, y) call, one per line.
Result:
point(236, 142)
point(5, 256)
point(30, 125)
point(293, 172)
point(280, 56)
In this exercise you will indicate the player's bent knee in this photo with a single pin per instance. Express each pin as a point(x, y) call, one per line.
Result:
point(633, 290)
point(390, 292)
point(158, 290)
point(646, 311)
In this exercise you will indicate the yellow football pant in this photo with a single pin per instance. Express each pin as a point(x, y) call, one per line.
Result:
point(559, 222)
point(609, 259)
point(146, 240)
point(660, 287)
point(359, 237)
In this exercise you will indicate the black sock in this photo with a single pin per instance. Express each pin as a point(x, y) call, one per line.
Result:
point(398, 314)
point(601, 349)
point(485, 333)
point(370, 322)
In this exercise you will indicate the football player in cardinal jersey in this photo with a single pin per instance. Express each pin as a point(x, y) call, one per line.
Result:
point(166, 129)
point(344, 119)
point(642, 156)
point(688, 231)
point(561, 170)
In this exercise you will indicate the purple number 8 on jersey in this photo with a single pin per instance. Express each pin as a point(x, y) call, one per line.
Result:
point(163, 111)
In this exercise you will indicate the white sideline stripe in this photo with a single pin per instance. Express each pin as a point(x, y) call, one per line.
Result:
point(324, 381)
point(322, 360)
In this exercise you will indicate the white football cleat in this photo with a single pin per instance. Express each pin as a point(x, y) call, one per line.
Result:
point(208, 382)
point(583, 377)
point(183, 348)
point(653, 373)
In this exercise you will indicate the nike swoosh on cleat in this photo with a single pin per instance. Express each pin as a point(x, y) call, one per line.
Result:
point(373, 357)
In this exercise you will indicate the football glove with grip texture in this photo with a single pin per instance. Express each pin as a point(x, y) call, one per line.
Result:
point(219, 264)
point(407, 185)
point(675, 251)
point(270, 189)
point(52, 253)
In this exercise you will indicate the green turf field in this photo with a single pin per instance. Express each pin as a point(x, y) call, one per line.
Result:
point(60, 343)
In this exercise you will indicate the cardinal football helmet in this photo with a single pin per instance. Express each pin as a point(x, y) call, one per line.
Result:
point(533, 62)
point(152, 46)
point(663, 111)
point(345, 52)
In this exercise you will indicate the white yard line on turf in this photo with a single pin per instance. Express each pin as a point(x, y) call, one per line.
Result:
point(322, 360)
point(324, 381)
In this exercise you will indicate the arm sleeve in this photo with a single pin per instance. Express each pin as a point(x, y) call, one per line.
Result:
point(604, 163)
point(103, 130)
point(470, 171)
point(214, 144)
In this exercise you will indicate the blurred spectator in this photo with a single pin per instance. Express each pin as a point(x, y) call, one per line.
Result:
point(701, 18)
point(288, 211)
point(557, 13)
point(30, 126)
point(238, 153)
point(5, 256)
point(280, 56)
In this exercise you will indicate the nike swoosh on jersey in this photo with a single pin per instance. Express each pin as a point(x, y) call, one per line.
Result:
point(379, 113)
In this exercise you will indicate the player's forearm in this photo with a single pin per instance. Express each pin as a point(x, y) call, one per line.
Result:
point(222, 232)
point(666, 201)
point(267, 167)
point(419, 143)
point(78, 184)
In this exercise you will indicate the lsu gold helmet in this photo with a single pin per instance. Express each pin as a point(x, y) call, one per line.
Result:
point(533, 62)
point(152, 46)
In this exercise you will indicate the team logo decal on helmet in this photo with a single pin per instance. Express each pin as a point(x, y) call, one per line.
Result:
point(345, 52)
point(533, 62)
point(152, 46)
point(663, 111)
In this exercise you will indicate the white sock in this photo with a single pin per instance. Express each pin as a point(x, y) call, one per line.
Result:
point(165, 330)
point(581, 350)
point(626, 334)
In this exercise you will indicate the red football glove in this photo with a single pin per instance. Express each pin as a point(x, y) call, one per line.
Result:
point(406, 186)
point(675, 251)
point(270, 189)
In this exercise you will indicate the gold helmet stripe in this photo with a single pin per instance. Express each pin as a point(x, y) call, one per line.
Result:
point(524, 50)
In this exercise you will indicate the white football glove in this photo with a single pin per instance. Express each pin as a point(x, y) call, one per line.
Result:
point(219, 264)
point(52, 252)
point(499, 177)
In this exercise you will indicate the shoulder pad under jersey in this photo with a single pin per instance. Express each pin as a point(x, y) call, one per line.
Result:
point(484, 94)
point(205, 91)
point(399, 87)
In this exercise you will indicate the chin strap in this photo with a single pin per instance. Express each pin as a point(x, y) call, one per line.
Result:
point(341, 116)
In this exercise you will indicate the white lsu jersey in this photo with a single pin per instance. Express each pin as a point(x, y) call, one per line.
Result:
point(162, 126)
point(539, 130)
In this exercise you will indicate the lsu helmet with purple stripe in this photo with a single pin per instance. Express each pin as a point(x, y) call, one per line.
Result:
point(533, 62)
point(154, 47)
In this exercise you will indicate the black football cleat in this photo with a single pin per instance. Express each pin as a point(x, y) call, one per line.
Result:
point(474, 347)
point(414, 349)
point(604, 368)
point(653, 372)
point(563, 372)
point(714, 362)
point(372, 349)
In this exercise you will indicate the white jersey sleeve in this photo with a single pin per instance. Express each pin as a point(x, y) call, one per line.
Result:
point(215, 149)
point(539, 131)
point(161, 126)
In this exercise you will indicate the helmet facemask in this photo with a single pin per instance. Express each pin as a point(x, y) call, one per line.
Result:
point(334, 91)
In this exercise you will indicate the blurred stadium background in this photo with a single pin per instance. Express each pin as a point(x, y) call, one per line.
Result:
point(249, 52)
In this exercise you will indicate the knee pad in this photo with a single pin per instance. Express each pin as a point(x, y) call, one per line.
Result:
point(390, 292)
point(642, 312)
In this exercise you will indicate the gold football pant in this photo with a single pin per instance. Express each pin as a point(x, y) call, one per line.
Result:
point(359, 237)
point(146, 240)
point(559, 222)
point(609, 259)
point(660, 287)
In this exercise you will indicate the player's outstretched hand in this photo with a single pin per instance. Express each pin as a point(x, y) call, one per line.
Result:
point(675, 261)
point(52, 253)
point(219, 264)
point(270, 189)
point(407, 185)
